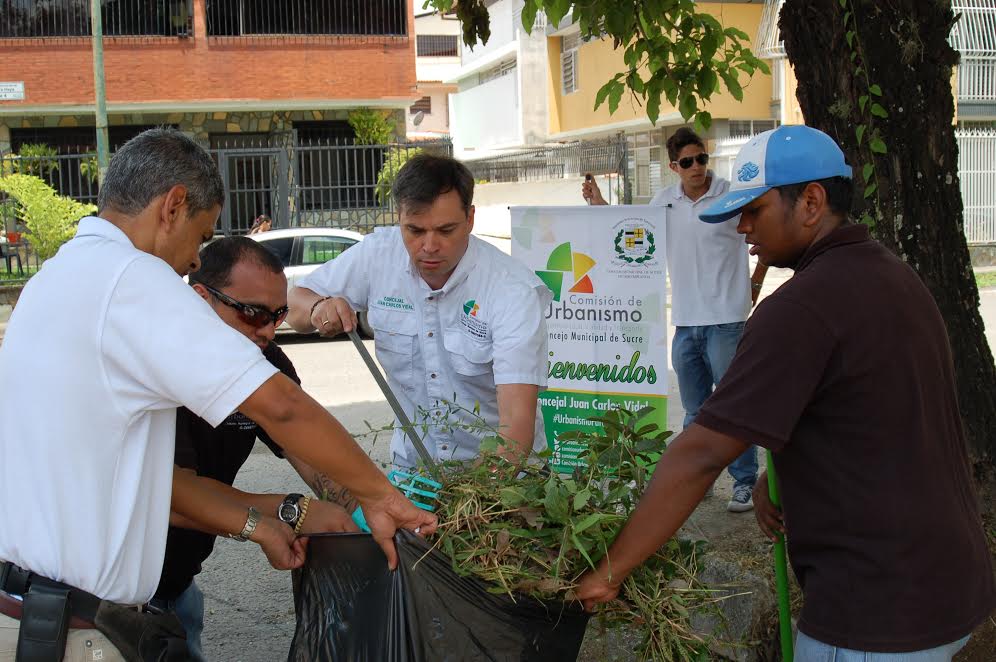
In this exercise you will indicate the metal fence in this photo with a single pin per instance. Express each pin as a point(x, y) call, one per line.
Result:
point(30, 19)
point(239, 18)
point(598, 157)
point(977, 173)
point(316, 185)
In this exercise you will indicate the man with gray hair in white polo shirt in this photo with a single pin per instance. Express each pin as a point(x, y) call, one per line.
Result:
point(104, 345)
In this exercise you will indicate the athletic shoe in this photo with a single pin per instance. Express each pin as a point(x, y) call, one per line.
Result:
point(742, 500)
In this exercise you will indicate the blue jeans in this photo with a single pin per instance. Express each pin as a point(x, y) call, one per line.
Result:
point(808, 649)
point(700, 356)
point(189, 608)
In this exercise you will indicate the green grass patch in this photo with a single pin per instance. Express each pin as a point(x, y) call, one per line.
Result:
point(986, 279)
point(15, 275)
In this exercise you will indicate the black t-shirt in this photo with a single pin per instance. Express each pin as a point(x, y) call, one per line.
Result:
point(846, 374)
point(216, 453)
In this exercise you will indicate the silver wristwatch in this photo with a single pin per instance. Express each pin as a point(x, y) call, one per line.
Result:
point(251, 521)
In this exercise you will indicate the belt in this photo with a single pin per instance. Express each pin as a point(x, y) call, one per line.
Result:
point(13, 608)
point(18, 581)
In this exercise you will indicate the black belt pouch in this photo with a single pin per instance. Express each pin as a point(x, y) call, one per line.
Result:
point(44, 624)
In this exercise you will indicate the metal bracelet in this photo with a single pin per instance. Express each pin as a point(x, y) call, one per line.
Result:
point(251, 521)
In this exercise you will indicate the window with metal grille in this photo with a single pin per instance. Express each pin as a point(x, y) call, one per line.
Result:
point(233, 18)
point(646, 158)
point(502, 69)
point(71, 18)
point(569, 63)
point(746, 128)
point(436, 45)
point(423, 105)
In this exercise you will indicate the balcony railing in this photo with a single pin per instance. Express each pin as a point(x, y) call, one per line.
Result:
point(33, 19)
point(242, 18)
point(977, 80)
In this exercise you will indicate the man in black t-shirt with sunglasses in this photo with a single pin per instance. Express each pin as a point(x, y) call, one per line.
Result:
point(244, 284)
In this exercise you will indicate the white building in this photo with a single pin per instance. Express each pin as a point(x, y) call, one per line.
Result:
point(437, 60)
point(502, 96)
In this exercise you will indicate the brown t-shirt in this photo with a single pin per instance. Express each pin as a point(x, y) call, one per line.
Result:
point(846, 374)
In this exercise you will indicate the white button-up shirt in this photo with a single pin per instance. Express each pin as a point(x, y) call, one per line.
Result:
point(104, 344)
point(707, 262)
point(444, 351)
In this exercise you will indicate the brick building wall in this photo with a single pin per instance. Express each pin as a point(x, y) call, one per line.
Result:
point(198, 69)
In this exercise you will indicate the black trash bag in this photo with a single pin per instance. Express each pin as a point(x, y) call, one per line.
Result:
point(351, 608)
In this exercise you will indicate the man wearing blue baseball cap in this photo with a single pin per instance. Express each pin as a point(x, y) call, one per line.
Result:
point(845, 373)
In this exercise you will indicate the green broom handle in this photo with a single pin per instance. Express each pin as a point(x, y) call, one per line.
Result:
point(781, 570)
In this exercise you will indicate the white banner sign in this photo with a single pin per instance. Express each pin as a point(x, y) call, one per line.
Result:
point(608, 321)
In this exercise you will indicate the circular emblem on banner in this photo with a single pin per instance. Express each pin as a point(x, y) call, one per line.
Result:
point(635, 244)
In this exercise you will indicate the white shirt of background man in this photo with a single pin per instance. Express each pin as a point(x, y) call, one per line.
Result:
point(707, 262)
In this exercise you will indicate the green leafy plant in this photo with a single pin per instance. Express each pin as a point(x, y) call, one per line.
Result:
point(89, 167)
point(870, 142)
point(372, 127)
point(670, 50)
point(535, 533)
point(50, 219)
point(396, 158)
point(36, 159)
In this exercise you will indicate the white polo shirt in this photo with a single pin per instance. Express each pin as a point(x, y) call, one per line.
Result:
point(707, 262)
point(103, 346)
point(486, 326)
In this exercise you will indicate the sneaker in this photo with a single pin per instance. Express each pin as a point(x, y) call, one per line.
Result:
point(742, 500)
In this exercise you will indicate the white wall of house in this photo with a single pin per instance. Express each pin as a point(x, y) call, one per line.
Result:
point(491, 201)
point(486, 116)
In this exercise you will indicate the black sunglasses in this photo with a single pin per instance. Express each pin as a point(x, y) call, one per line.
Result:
point(255, 316)
point(686, 162)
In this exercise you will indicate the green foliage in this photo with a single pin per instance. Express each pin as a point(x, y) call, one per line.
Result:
point(35, 159)
point(392, 164)
point(50, 218)
point(372, 127)
point(871, 110)
point(670, 50)
point(89, 167)
point(532, 533)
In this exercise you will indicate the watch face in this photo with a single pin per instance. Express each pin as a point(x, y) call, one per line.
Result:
point(288, 512)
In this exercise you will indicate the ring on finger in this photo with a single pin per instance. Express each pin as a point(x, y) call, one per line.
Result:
point(324, 322)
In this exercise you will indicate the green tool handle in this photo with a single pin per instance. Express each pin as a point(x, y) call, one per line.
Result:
point(781, 571)
point(399, 411)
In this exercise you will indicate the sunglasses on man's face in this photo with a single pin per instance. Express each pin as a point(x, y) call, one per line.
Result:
point(255, 316)
point(686, 162)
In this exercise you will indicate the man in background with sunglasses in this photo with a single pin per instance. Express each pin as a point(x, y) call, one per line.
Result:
point(244, 284)
point(711, 293)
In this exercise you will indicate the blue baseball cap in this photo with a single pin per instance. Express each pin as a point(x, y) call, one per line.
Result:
point(790, 154)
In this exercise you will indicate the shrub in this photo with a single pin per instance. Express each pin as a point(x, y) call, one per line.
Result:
point(372, 127)
point(389, 171)
point(50, 218)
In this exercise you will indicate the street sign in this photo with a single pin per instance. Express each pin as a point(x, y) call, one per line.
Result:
point(12, 91)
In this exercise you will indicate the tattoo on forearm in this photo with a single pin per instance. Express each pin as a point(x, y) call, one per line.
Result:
point(328, 490)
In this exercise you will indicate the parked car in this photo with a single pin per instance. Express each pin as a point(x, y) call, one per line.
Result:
point(302, 250)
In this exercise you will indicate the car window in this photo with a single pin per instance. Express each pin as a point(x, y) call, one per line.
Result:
point(281, 248)
point(319, 250)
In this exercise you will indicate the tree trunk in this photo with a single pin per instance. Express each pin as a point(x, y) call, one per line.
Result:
point(903, 46)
